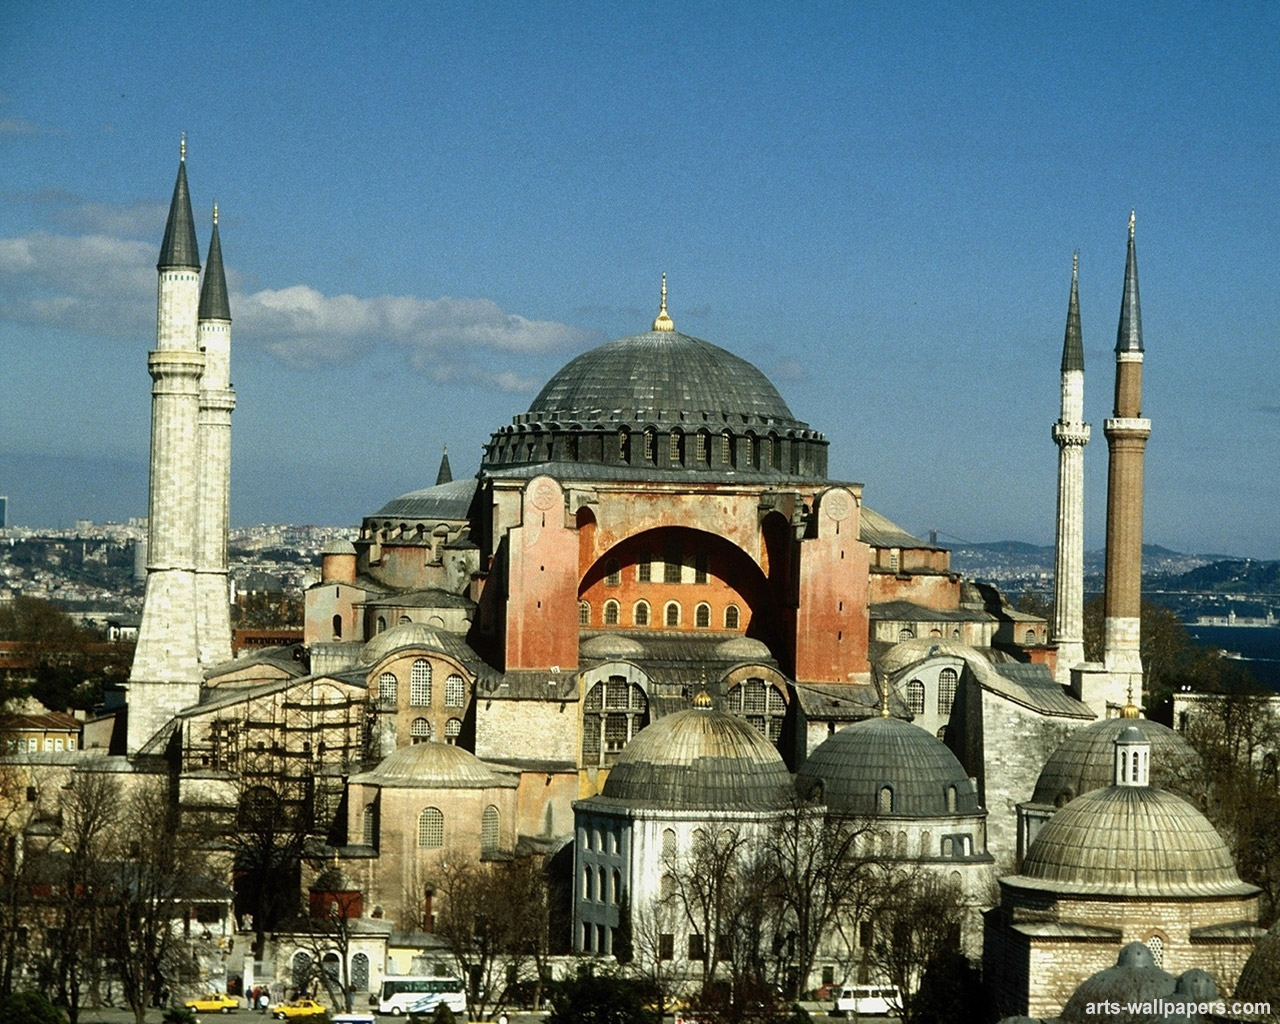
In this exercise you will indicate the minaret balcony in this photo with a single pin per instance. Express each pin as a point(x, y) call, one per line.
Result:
point(1071, 433)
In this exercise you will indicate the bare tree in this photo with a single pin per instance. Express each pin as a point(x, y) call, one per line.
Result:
point(653, 926)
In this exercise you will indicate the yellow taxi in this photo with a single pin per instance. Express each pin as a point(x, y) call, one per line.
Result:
point(213, 1002)
point(297, 1008)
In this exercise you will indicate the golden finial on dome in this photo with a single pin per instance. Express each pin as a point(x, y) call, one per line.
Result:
point(702, 700)
point(884, 698)
point(663, 322)
point(1130, 709)
point(215, 215)
point(182, 148)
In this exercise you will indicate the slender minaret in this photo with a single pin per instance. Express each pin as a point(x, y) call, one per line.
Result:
point(213, 607)
point(1127, 435)
point(166, 666)
point(1070, 434)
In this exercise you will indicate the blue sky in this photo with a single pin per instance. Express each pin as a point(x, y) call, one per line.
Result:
point(427, 208)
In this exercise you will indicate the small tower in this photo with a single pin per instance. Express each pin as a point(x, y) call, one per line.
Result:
point(1133, 758)
point(444, 475)
point(217, 400)
point(1127, 434)
point(166, 674)
point(1070, 434)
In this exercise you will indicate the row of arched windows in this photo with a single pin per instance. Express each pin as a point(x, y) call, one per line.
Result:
point(420, 731)
point(596, 887)
point(672, 615)
point(431, 828)
point(947, 680)
point(650, 570)
point(455, 688)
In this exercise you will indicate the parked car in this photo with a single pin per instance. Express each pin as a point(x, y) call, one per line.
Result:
point(298, 1008)
point(213, 1002)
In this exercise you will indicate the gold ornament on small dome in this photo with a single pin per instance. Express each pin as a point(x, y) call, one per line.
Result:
point(1130, 709)
point(663, 322)
point(702, 700)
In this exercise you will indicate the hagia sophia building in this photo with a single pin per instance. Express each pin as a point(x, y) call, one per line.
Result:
point(649, 608)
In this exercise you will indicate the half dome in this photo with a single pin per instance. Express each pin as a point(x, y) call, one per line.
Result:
point(434, 766)
point(859, 761)
point(406, 634)
point(700, 759)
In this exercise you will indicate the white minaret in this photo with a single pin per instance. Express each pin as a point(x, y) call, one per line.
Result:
point(166, 671)
point(217, 400)
point(1070, 434)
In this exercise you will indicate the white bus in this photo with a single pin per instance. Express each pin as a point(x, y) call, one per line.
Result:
point(399, 994)
point(866, 1001)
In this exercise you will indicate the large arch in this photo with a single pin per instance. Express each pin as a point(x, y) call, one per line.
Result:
point(692, 567)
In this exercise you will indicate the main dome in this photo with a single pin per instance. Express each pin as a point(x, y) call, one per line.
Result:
point(654, 404)
point(662, 375)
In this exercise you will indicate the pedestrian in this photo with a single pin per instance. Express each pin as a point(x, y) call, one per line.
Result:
point(264, 999)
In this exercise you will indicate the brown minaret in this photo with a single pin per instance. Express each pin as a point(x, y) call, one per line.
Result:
point(1126, 434)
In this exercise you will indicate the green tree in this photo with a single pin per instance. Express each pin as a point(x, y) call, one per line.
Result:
point(598, 999)
point(29, 1008)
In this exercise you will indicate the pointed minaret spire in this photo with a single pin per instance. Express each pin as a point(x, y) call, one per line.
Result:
point(445, 473)
point(213, 291)
point(1127, 432)
point(663, 322)
point(179, 248)
point(1129, 333)
point(1070, 434)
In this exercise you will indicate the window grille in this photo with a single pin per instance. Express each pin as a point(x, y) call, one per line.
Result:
point(731, 617)
point(431, 829)
point(419, 730)
point(455, 692)
point(388, 690)
point(702, 616)
point(611, 613)
point(612, 573)
point(420, 684)
point(452, 730)
point(673, 614)
point(947, 680)
point(642, 614)
point(726, 450)
point(915, 697)
point(489, 830)
point(584, 613)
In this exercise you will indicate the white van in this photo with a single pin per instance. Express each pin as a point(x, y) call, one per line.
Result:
point(866, 1001)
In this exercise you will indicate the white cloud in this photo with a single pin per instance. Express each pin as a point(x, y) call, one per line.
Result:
point(17, 126)
point(106, 285)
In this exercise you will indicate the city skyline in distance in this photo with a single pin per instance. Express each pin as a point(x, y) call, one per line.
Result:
point(424, 218)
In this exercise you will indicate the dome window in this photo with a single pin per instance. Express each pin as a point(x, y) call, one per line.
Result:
point(644, 568)
point(731, 617)
point(641, 614)
point(749, 451)
point(672, 614)
point(700, 450)
point(611, 613)
point(650, 446)
point(674, 448)
point(884, 804)
point(726, 449)
point(702, 616)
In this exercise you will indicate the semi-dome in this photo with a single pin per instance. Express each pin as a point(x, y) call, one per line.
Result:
point(406, 634)
point(434, 766)
point(444, 502)
point(859, 761)
point(1085, 761)
point(612, 645)
point(744, 648)
point(1130, 840)
point(700, 759)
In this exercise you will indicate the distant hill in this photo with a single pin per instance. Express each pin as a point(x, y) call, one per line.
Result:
point(1228, 576)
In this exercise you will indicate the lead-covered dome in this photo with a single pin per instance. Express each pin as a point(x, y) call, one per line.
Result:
point(1130, 840)
point(858, 762)
point(700, 759)
point(1085, 761)
point(434, 766)
point(1260, 979)
point(657, 403)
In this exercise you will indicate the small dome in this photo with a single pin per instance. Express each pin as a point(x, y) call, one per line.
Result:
point(1085, 761)
point(856, 763)
point(1260, 980)
point(744, 648)
point(434, 766)
point(338, 546)
point(1130, 840)
point(1135, 978)
point(612, 645)
point(407, 634)
point(700, 759)
point(662, 374)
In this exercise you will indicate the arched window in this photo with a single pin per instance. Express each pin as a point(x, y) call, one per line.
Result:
point(726, 449)
point(452, 730)
point(337, 627)
point(650, 445)
point(369, 826)
point(330, 963)
point(666, 887)
point(951, 799)
point(668, 843)
point(420, 684)
point(702, 616)
point(749, 451)
point(1156, 945)
point(300, 968)
point(947, 680)
point(382, 624)
point(611, 613)
point(644, 568)
point(700, 452)
point(775, 452)
point(612, 712)
point(624, 445)
point(731, 617)
point(905, 634)
point(615, 894)
point(419, 731)
point(404, 621)
point(455, 692)
point(360, 972)
point(489, 830)
point(885, 804)
point(584, 613)
point(1031, 637)
point(588, 883)
point(900, 847)
point(948, 846)
point(760, 703)
point(671, 614)
point(674, 448)
point(671, 568)
point(431, 829)
point(388, 690)
point(612, 573)
point(641, 614)
point(915, 697)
